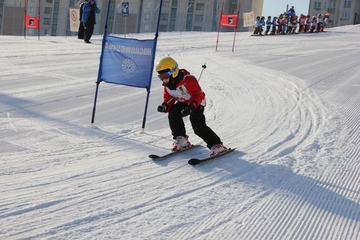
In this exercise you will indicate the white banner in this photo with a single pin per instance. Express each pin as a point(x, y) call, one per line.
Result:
point(249, 19)
point(74, 19)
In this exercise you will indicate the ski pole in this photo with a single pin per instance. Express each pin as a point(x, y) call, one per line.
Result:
point(203, 67)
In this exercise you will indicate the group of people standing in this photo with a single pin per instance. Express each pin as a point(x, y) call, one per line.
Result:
point(289, 22)
point(88, 9)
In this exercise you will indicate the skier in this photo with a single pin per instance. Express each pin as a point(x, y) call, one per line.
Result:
point(182, 97)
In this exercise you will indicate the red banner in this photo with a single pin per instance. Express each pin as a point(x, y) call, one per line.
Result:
point(32, 22)
point(229, 20)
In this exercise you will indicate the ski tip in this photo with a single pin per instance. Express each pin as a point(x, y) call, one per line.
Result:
point(153, 156)
point(194, 161)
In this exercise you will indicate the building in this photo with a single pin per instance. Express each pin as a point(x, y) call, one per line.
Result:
point(54, 15)
point(194, 15)
point(342, 12)
point(176, 15)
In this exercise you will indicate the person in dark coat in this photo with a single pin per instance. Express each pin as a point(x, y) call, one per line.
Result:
point(291, 12)
point(89, 19)
point(81, 25)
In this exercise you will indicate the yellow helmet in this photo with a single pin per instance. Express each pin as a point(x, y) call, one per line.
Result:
point(168, 64)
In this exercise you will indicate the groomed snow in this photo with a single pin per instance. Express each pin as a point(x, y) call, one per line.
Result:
point(290, 104)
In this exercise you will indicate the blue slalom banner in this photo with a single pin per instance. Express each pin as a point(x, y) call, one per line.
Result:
point(127, 61)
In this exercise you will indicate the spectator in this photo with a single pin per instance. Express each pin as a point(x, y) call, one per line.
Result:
point(279, 24)
point(319, 23)
point(284, 24)
point(256, 25)
point(89, 19)
point(274, 25)
point(268, 25)
point(261, 25)
point(81, 25)
point(313, 24)
point(291, 24)
point(296, 23)
point(307, 23)
point(301, 23)
point(324, 22)
point(291, 12)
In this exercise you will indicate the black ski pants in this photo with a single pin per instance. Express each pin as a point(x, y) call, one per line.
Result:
point(198, 123)
point(81, 31)
point(88, 30)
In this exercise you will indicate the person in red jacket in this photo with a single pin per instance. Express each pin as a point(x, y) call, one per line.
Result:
point(183, 96)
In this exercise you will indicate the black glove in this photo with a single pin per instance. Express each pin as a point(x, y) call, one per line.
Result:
point(187, 110)
point(163, 107)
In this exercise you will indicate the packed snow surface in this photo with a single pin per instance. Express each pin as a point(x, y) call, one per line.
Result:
point(290, 104)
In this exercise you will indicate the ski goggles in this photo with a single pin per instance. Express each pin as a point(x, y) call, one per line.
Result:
point(164, 76)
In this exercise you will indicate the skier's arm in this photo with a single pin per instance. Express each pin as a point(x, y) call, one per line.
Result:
point(168, 99)
point(194, 89)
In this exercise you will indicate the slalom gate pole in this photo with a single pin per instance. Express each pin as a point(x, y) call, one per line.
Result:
point(100, 65)
point(25, 19)
point(152, 65)
point(95, 100)
point(219, 27)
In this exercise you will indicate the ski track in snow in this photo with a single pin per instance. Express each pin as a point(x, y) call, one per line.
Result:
point(293, 113)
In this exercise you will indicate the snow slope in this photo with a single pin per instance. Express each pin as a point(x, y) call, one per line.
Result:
point(289, 103)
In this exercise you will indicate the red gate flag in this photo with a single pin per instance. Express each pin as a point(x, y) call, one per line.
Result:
point(32, 22)
point(229, 20)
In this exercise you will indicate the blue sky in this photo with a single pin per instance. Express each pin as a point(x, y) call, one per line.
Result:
point(274, 8)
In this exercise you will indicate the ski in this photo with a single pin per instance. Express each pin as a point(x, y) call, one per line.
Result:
point(196, 161)
point(161, 157)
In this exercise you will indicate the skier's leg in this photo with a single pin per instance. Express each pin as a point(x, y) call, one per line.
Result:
point(176, 122)
point(198, 123)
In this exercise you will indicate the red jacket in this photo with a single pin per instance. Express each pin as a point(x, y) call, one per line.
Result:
point(188, 91)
